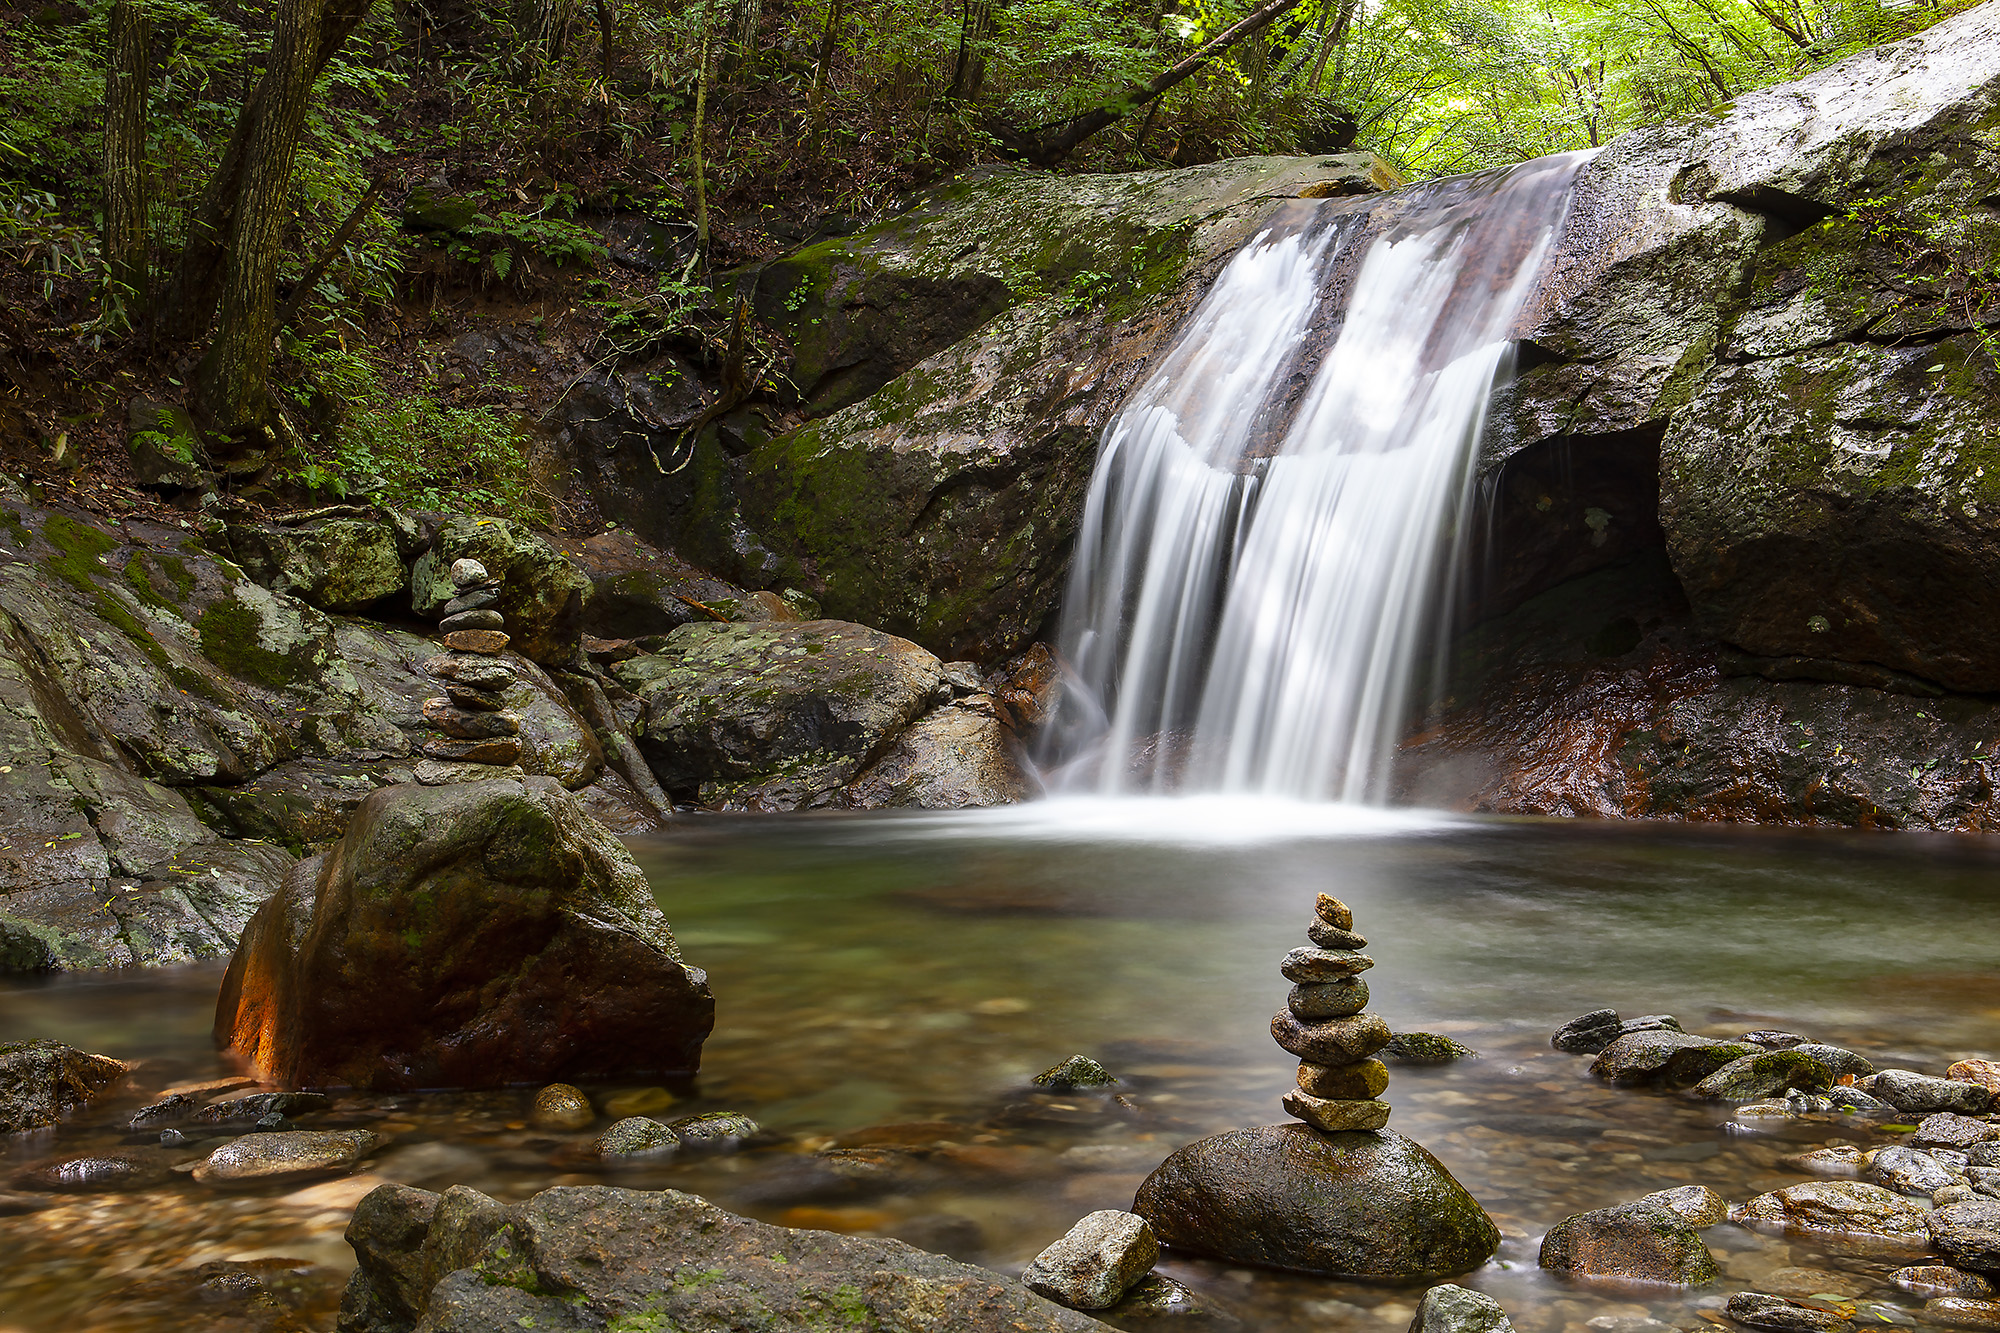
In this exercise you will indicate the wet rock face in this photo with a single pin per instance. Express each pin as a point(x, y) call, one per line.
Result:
point(781, 716)
point(43, 1081)
point(470, 936)
point(596, 1257)
point(1968, 1234)
point(1372, 1205)
point(1096, 1263)
point(1837, 1207)
point(1453, 1309)
point(1921, 1094)
point(1645, 1241)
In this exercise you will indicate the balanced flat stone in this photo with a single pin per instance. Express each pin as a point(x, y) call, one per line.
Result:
point(480, 619)
point(1336, 1117)
point(481, 673)
point(1361, 1081)
point(473, 699)
point(1336, 1041)
point(1325, 964)
point(1361, 1205)
point(1329, 999)
point(479, 599)
point(1332, 937)
point(476, 640)
point(500, 750)
point(1334, 912)
point(470, 724)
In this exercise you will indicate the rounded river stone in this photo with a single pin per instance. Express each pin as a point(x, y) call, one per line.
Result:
point(1363, 1205)
point(1329, 999)
point(1334, 1041)
point(1360, 1081)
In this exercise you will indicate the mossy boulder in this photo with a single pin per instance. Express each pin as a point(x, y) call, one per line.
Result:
point(641, 1261)
point(1635, 1242)
point(541, 591)
point(467, 936)
point(337, 561)
point(1764, 1074)
point(1357, 1205)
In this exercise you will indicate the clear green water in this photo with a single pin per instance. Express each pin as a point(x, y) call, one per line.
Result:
point(886, 987)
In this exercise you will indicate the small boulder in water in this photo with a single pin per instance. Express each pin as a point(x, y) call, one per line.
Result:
point(1636, 1057)
point(1424, 1048)
point(1698, 1204)
point(256, 1158)
point(1947, 1129)
point(1589, 1033)
point(1633, 1242)
point(562, 1107)
point(1968, 1234)
point(91, 1174)
point(1918, 1094)
point(1453, 1309)
point(1942, 1280)
point(1076, 1073)
point(637, 1136)
point(1096, 1263)
point(1782, 1316)
point(1836, 1208)
point(717, 1131)
point(1910, 1171)
point(43, 1081)
point(1762, 1075)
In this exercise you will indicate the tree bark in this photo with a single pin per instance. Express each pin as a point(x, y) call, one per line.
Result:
point(233, 380)
point(816, 103)
point(126, 79)
point(695, 141)
point(1079, 128)
point(969, 71)
point(191, 298)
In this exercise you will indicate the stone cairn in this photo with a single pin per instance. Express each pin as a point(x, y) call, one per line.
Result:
point(1340, 1081)
point(476, 736)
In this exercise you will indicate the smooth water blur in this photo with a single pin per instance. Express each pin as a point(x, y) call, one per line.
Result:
point(888, 985)
point(1273, 597)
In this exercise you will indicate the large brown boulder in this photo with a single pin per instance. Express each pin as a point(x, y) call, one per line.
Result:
point(464, 936)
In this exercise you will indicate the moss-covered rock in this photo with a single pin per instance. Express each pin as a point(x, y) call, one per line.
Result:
point(338, 561)
point(1634, 1242)
point(1763, 1074)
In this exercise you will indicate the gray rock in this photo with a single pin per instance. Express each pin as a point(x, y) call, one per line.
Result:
point(1853, 1101)
point(1100, 1258)
point(43, 1081)
point(1079, 1071)
point(1838, 1059)
point(1918, 1093)
point(1331, 1041)
point(957, 756)
point(387, 1234)
point(1838, 1208)
point(595, 1257)
point(1698, 1205)
point(1910, 1171)
point(1782, 1316)
point(338, 560)
point(1773, 1039)
point(1687, 1068)
point(718, 1131)
point(1371, 1205)
point(1763, 1074)
point(1423, 1048)
point(1453, 1309)
point(541, 592)
point(1968, 1234)
point(256, 1158)
point(1940, 1280)
point(1336, 1115)
point(1157, 1297)
point(560, 1106)
point(1328, 999)
point(1637, 1056)
point(1959, 1312)
point(637, 1136)
point(1633, 1242)
point(1836, 1162)
point(470, 935)
point(1321, 965)
point(1984, 1179)
point(1983, 1154)
point(248, 1110)
point(1588, 1034)
point(92, 1174)
point(1946, 1129)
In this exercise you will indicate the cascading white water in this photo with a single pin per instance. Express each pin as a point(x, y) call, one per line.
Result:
point(1275, 601)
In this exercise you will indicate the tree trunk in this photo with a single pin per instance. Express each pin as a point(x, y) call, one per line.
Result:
point(695, 141)
point(125, 92)
point(191, 298)
point(969, 71)
point(233, 380)
point(816, 103)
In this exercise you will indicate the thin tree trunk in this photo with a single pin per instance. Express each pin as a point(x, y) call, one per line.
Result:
point(695, 142)
point(196, 287)
point(969, 70)
point(303, 292)
point(125, 199)
point(1082, 127)
point(816, 104)
point(233, 380)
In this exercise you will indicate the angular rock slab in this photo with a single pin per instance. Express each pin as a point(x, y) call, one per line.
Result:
point(1361, 1205)
point(465, 936)
point(597, 1257)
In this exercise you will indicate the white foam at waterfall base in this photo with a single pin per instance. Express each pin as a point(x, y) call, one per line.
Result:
point(1214, 820)
point(1257, 622)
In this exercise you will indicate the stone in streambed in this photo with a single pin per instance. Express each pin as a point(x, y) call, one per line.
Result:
point(1947, 1129)
point(1363, 1080)
point(1333, 1041)
point(1303, 965)
point(1983, 1154)
point(1686, 1068)
point(1698, 1204)
point(1986, 1073)
point(1773, 1039)
point(258, 1105)
point(1839, 1059)
point(1633, 1242)
point(91, 1174)
point(1836, 1162)
point(289, 1154)
point(43, 1081)
point(1425, 1048)
point(1453, 1309)
point(499, 751)
point(1941, 1280)
point(1968, 1234)
point(637, 1136)
point(1332, 937)
point(469, 724)
point(1335, 1116)
point(1960, 1312)
point(1366, 1205)
point(1838, 1208)
point(1333, 912)
point(1762, 1075)
point(1918, 1094)
point(1329, 999)
point(1637, 1056)
point(1780, 1315)
point(489, 641)
point(463, 620)
point(561, 1106)
point(718, 1131)
point(1077, 1072)
point(1092, 1267)
point(1910, 1171)
point(1587, 1034)
point(388, 1232)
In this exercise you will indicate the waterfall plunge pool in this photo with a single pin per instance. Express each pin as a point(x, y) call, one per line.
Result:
point(887, 986)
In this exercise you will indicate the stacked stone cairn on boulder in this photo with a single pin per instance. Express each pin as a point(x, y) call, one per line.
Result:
point(476, 735)
point(1340, 1080)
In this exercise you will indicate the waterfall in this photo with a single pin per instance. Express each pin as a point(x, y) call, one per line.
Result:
point(1273, 520)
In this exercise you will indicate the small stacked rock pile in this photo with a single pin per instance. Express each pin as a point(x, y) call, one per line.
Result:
point(477, 737)
point(1340, 1081)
